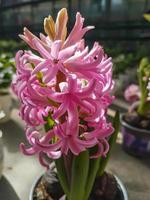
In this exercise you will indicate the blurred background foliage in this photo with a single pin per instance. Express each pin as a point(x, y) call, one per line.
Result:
point(7, 69)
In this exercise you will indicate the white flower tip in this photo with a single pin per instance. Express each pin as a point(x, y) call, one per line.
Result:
point(90, 27)
point(41, 35)
point(25, 29)
point(78, 14)
point(20, 35)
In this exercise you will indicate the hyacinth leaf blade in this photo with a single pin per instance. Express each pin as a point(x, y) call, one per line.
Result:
point(80, 167)
point(61, 172)
point(93, 168)
point(104, 160)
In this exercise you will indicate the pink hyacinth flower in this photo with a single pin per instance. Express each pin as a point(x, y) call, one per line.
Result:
point(66, 87)
point(132, 93)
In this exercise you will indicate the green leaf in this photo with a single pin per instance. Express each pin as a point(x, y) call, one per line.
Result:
point(79, 173)
point(112, 140)
point(61, 172)
point(93, 168)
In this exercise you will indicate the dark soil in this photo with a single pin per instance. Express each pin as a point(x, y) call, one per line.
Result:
point(137, 121)
point(105, 188)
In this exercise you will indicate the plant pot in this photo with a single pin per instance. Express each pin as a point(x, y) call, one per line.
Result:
point(1, 156)
point(136, 141)
point(5, 107)
point(120, 188)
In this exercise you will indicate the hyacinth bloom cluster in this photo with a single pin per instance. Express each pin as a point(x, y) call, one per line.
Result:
point(66, 88)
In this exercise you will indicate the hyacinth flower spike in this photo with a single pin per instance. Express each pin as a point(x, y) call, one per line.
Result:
point(65, 90)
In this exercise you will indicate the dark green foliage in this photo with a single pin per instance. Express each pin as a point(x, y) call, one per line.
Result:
point(11, 46)
point(126, 56)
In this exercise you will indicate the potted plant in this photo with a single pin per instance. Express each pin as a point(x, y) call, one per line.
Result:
point(65, 90)
point(6, 73)
point(136, 122)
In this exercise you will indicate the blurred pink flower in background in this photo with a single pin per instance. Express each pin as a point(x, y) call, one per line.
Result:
point(132, 93)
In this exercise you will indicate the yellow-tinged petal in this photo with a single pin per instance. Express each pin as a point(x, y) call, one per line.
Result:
point(61, 25)
point(49, 27)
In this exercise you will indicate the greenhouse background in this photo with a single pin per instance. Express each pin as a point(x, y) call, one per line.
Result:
point(123, 18)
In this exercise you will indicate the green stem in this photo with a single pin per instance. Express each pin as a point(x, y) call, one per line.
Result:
point(80, 167)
